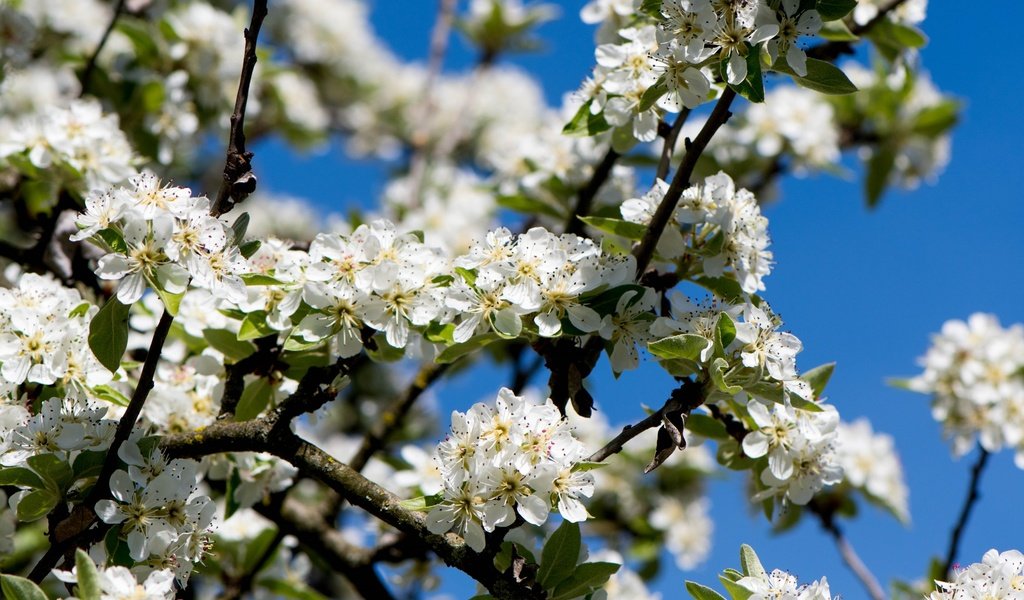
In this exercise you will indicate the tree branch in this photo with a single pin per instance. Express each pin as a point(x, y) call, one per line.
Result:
point(67, 533)
point(670, 144)
point(377, 437)
point(585, 197)
point(90, 65)
point(268, 436)
point(237, 587)
point(719, 115)
point(239, 180)
point(965, 511)
point(848, 554)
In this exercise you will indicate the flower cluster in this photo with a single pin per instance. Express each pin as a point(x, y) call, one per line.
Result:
point(780, 585)
point(716, 222)
point(77, 144)
point(45, 329)
point(870, 464)
point(998, 575)
point(160, 515)
point(973, 372)
point(63, 429)
point(119, 582)
point(519, 458)
point(163, 237)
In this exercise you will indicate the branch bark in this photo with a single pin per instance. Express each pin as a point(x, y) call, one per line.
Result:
point(965, 511)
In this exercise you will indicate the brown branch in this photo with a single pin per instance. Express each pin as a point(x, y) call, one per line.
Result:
point(66, 534)
point(670, 144)
point(385, 426)
point(719, 115)
point(268, 435)
point(586, 195)
point(965, 511)
point(90, 65)
point(827, 517)
point(239, 180)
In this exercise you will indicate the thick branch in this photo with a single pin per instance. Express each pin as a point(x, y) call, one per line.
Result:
point(264, 436)
point(965, 511)
point(239, 180)
point(719, 115)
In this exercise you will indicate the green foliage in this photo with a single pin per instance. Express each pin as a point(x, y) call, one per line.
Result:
point(88, 576)
point(21, 588)
point(559, 556)
point(108, 333)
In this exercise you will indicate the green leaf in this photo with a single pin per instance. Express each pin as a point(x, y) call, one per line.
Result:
point(254, 399)
point(937, 119)
point(802, 404)
point(249, 248)
point(702, 592)
point(896, 37)
point(731, 574)
point(290, 589)
point(20, 477)
point(585, 123)
point(630, 231)
point(726, 329)
point(528, 205)
point(20, 588)
point(88, 464)
point(113, 239)
point(260, 279)
point(585, 579)
point(717, 370)
point(239, 227)
point(467, 275)
point(837, 31)
point(652, 94)
point(421, 503)
point(833, 10)
point(111, 395)
point(228, 344)
point(818, 377)
point(457, 351)
point(879, 168)
point(723, 287)
point(749, 562)
point(80, 311)
point(254, 326)
point(55, 472)
point(752, 87)
point(558, 558)
point(171, 301)
point(88, 576)
point(821, 77)
point(736, 591)
point(108, 333)
point(652, 8)
point(37, 504)
point(256, 548)
point(706, 426)
point(685, 345)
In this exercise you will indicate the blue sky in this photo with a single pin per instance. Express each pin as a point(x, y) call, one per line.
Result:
point(862, 288)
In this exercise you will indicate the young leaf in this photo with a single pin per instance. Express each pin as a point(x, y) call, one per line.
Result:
point(630, 231)
point(228, 344)
point(20, 588)
point(20, 477)
point(171, 301)
point(457, 351)
point(254, 399)
point(685, 345)
point(879, 168)
point(88, 576)
point(702, 592)
point(108, 333)
point(821, 77)
point(833, 10)
point(749, 562)
point(818, 377)
point(36, 505)
point(558, 558)
point(255, 326)
point(585, 579)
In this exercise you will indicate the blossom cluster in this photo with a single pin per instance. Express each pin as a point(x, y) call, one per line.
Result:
point(998, 575)
point(45, 329)
point(870, 464)
point(118, 582)
point(163, 519)
point(518, 458)
point(78, 144)
point(163, 237)
point(973, 372)
point(716, 222)
point(63, 428)
point(678, 51)
point(781, 585)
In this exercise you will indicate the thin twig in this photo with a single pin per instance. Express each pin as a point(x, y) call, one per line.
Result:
point(719, 115)
point(392, 418)
point(240, 586)
point(670, 144)
point(67, 533)
point(239, 180)
point(629, 432)
point(965, 511)
point(849, 555)
point(90, 65)
point(438, 46)
point(585, 197)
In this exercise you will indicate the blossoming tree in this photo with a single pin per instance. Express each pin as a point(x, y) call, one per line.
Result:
point(205, 396)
